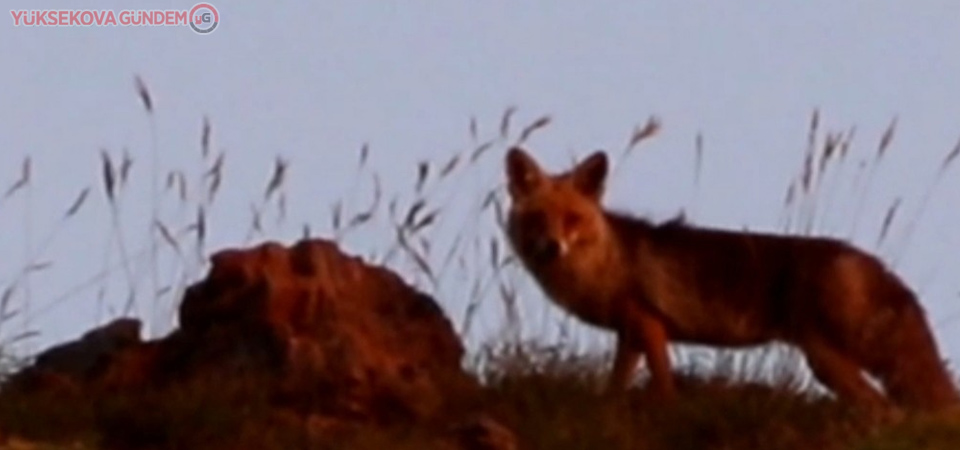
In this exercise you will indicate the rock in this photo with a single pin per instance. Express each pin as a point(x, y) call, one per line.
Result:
point(314, 332)
point(66, 366)
point(81, 358)
point(331, 328)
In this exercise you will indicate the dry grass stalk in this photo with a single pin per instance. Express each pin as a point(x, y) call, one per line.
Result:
point(505, 121)
point(276, 180)
point(144, 94)
point(205, 132)
point(530, 129)
point(77, 203)
point(640, 134)
point(21, 182)
point(109, 176)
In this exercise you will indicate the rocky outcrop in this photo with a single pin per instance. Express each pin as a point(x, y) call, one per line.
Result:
point(317, 336)
point(71, 365)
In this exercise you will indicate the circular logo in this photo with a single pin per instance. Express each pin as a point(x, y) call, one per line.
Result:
point(203, 18)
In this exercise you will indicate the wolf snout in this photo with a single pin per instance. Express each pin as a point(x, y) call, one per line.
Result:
point(549, 249)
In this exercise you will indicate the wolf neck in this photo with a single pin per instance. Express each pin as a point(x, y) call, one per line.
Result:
point(591, 282)
point(629, 234)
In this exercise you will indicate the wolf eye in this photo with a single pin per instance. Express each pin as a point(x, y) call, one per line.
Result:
point(533, 220)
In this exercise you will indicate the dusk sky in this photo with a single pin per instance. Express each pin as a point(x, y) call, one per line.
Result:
point(314, 82)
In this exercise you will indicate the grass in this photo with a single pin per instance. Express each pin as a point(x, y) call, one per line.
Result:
point(452, 246)
point(553, 409)
point(549, 399)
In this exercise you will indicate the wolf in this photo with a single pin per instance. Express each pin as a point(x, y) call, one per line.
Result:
point(652, 284)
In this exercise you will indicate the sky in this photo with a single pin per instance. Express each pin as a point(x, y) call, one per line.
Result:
point(313, 83)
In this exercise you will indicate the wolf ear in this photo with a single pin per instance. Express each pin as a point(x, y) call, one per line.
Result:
point(590, 175)
point(523, 173)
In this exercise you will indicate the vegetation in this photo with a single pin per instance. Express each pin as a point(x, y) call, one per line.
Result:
point(545, 390)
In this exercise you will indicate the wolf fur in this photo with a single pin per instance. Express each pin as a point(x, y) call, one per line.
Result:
point(652, 284)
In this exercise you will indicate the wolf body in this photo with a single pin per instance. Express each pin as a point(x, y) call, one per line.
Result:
point(655, 283)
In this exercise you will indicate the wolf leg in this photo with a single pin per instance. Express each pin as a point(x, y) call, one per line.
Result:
point(647, 332)
point(625, 363)
point(841, 375)
point(905, 358)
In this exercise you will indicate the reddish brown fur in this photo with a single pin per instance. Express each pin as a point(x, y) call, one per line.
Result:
point(652, 283)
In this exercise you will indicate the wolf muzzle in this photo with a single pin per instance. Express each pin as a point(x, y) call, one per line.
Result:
point(547, 250)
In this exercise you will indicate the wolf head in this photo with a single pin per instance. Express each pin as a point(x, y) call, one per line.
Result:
point(555, 217)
